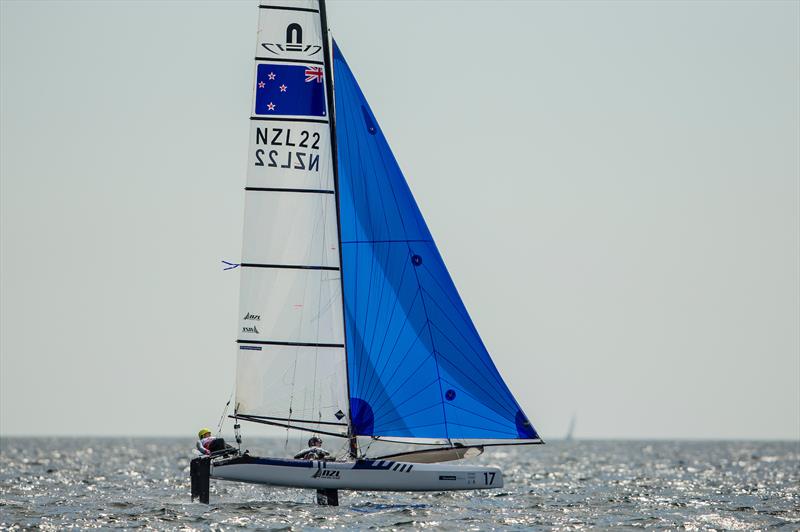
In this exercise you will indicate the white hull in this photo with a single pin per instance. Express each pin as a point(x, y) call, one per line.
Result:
point(372, 475)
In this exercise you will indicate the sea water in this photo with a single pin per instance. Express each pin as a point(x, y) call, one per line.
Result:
point(77, 483)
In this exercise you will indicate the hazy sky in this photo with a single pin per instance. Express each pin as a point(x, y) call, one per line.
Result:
point(613, 185)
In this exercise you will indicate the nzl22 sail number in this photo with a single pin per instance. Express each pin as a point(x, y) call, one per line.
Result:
point(287, 148)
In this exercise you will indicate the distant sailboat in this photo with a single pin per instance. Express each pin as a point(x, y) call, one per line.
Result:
point(350, 325)
point(570, 429)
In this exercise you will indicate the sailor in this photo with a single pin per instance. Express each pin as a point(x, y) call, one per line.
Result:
point(314, 451)
point(206, 443)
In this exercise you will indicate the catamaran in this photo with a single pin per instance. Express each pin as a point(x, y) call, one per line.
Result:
point(349, 324)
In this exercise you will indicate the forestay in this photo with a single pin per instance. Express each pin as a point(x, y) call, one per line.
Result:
point(291, 362)
point(417, 367)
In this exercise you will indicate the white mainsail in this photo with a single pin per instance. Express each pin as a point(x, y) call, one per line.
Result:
point(291, 363)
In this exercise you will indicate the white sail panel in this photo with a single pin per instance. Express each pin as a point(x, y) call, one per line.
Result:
point(290, 154)
point(290, 228)
point(291, 305)
point(289, 382)
point(291, 361)
point(293, 33)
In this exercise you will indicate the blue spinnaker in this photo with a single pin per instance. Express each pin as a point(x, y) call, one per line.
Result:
point(417, 367)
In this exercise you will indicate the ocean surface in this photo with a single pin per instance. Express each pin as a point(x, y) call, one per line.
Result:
point(78, 483)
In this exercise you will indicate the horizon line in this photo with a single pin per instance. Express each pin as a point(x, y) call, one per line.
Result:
point(561, 439)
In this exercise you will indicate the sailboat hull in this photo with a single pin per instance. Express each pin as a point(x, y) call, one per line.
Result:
point(372, 475)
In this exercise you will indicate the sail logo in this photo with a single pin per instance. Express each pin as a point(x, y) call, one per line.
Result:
point(289, 90)
point(252, 330)
point(332, 474)
point(294, 43)
point(249, 316)
point(250, 347)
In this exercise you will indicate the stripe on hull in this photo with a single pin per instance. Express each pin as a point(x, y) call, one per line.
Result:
point(377, 475)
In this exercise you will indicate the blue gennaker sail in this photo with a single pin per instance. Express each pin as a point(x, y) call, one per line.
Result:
point(417, 366)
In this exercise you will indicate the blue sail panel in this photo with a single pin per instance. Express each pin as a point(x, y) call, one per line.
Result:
point(417, 367)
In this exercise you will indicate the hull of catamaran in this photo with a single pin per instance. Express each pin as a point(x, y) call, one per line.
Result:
point(372, 475)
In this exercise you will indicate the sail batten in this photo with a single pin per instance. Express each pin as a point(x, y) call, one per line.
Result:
point(296, 344)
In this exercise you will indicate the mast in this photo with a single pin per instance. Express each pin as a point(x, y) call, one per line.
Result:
point(326, 49)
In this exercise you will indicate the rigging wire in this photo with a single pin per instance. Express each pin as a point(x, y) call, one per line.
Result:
point(343, 452)
point(365, 451)
point(289, 419)
point(224, 413)
point(303, 314)
point(321, 219)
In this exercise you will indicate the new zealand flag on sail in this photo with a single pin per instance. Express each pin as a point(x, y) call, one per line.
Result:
point(296, 90)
